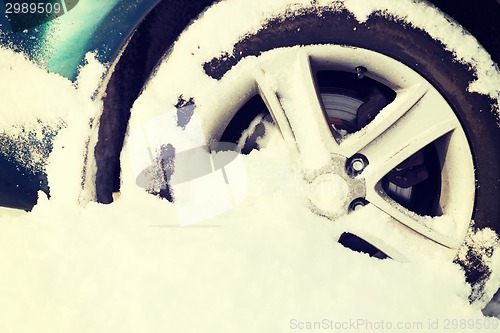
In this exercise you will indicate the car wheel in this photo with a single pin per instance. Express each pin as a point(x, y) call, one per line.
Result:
point(378, 104)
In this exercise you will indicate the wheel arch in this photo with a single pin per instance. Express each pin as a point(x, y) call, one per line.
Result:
point(133, 66)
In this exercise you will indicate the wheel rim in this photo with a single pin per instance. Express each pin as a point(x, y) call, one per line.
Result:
point(417, 117)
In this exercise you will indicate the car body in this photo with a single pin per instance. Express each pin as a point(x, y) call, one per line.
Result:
point(89, 26)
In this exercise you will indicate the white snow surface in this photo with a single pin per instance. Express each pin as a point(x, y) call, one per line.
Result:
point(267, 265)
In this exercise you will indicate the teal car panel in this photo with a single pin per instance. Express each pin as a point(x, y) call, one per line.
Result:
point(60, 44)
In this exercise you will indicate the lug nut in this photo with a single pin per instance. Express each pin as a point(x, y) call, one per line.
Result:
point(358, 164)
point(357, 204)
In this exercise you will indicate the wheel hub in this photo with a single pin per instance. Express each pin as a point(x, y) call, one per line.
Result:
point(334, 190)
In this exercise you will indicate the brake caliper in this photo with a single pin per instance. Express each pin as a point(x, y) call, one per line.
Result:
point(410, 172)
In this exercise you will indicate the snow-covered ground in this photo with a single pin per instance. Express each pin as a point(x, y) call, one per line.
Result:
point(267, 265)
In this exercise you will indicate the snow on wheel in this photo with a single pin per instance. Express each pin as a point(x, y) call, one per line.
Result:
point(373, 104)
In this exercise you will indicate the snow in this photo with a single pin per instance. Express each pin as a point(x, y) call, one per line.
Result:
point(130, 266)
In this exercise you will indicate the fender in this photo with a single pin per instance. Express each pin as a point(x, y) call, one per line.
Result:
point(60, 45)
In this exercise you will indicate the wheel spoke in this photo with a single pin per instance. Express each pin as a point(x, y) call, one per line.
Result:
point(405, 101)
point(440, 229)
point(393, 238)
point(424, 122)
point(288, 88)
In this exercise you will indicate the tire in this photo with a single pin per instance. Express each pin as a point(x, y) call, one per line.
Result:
point(314, 26)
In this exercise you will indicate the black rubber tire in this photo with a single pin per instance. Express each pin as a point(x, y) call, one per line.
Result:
point(400, 41)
